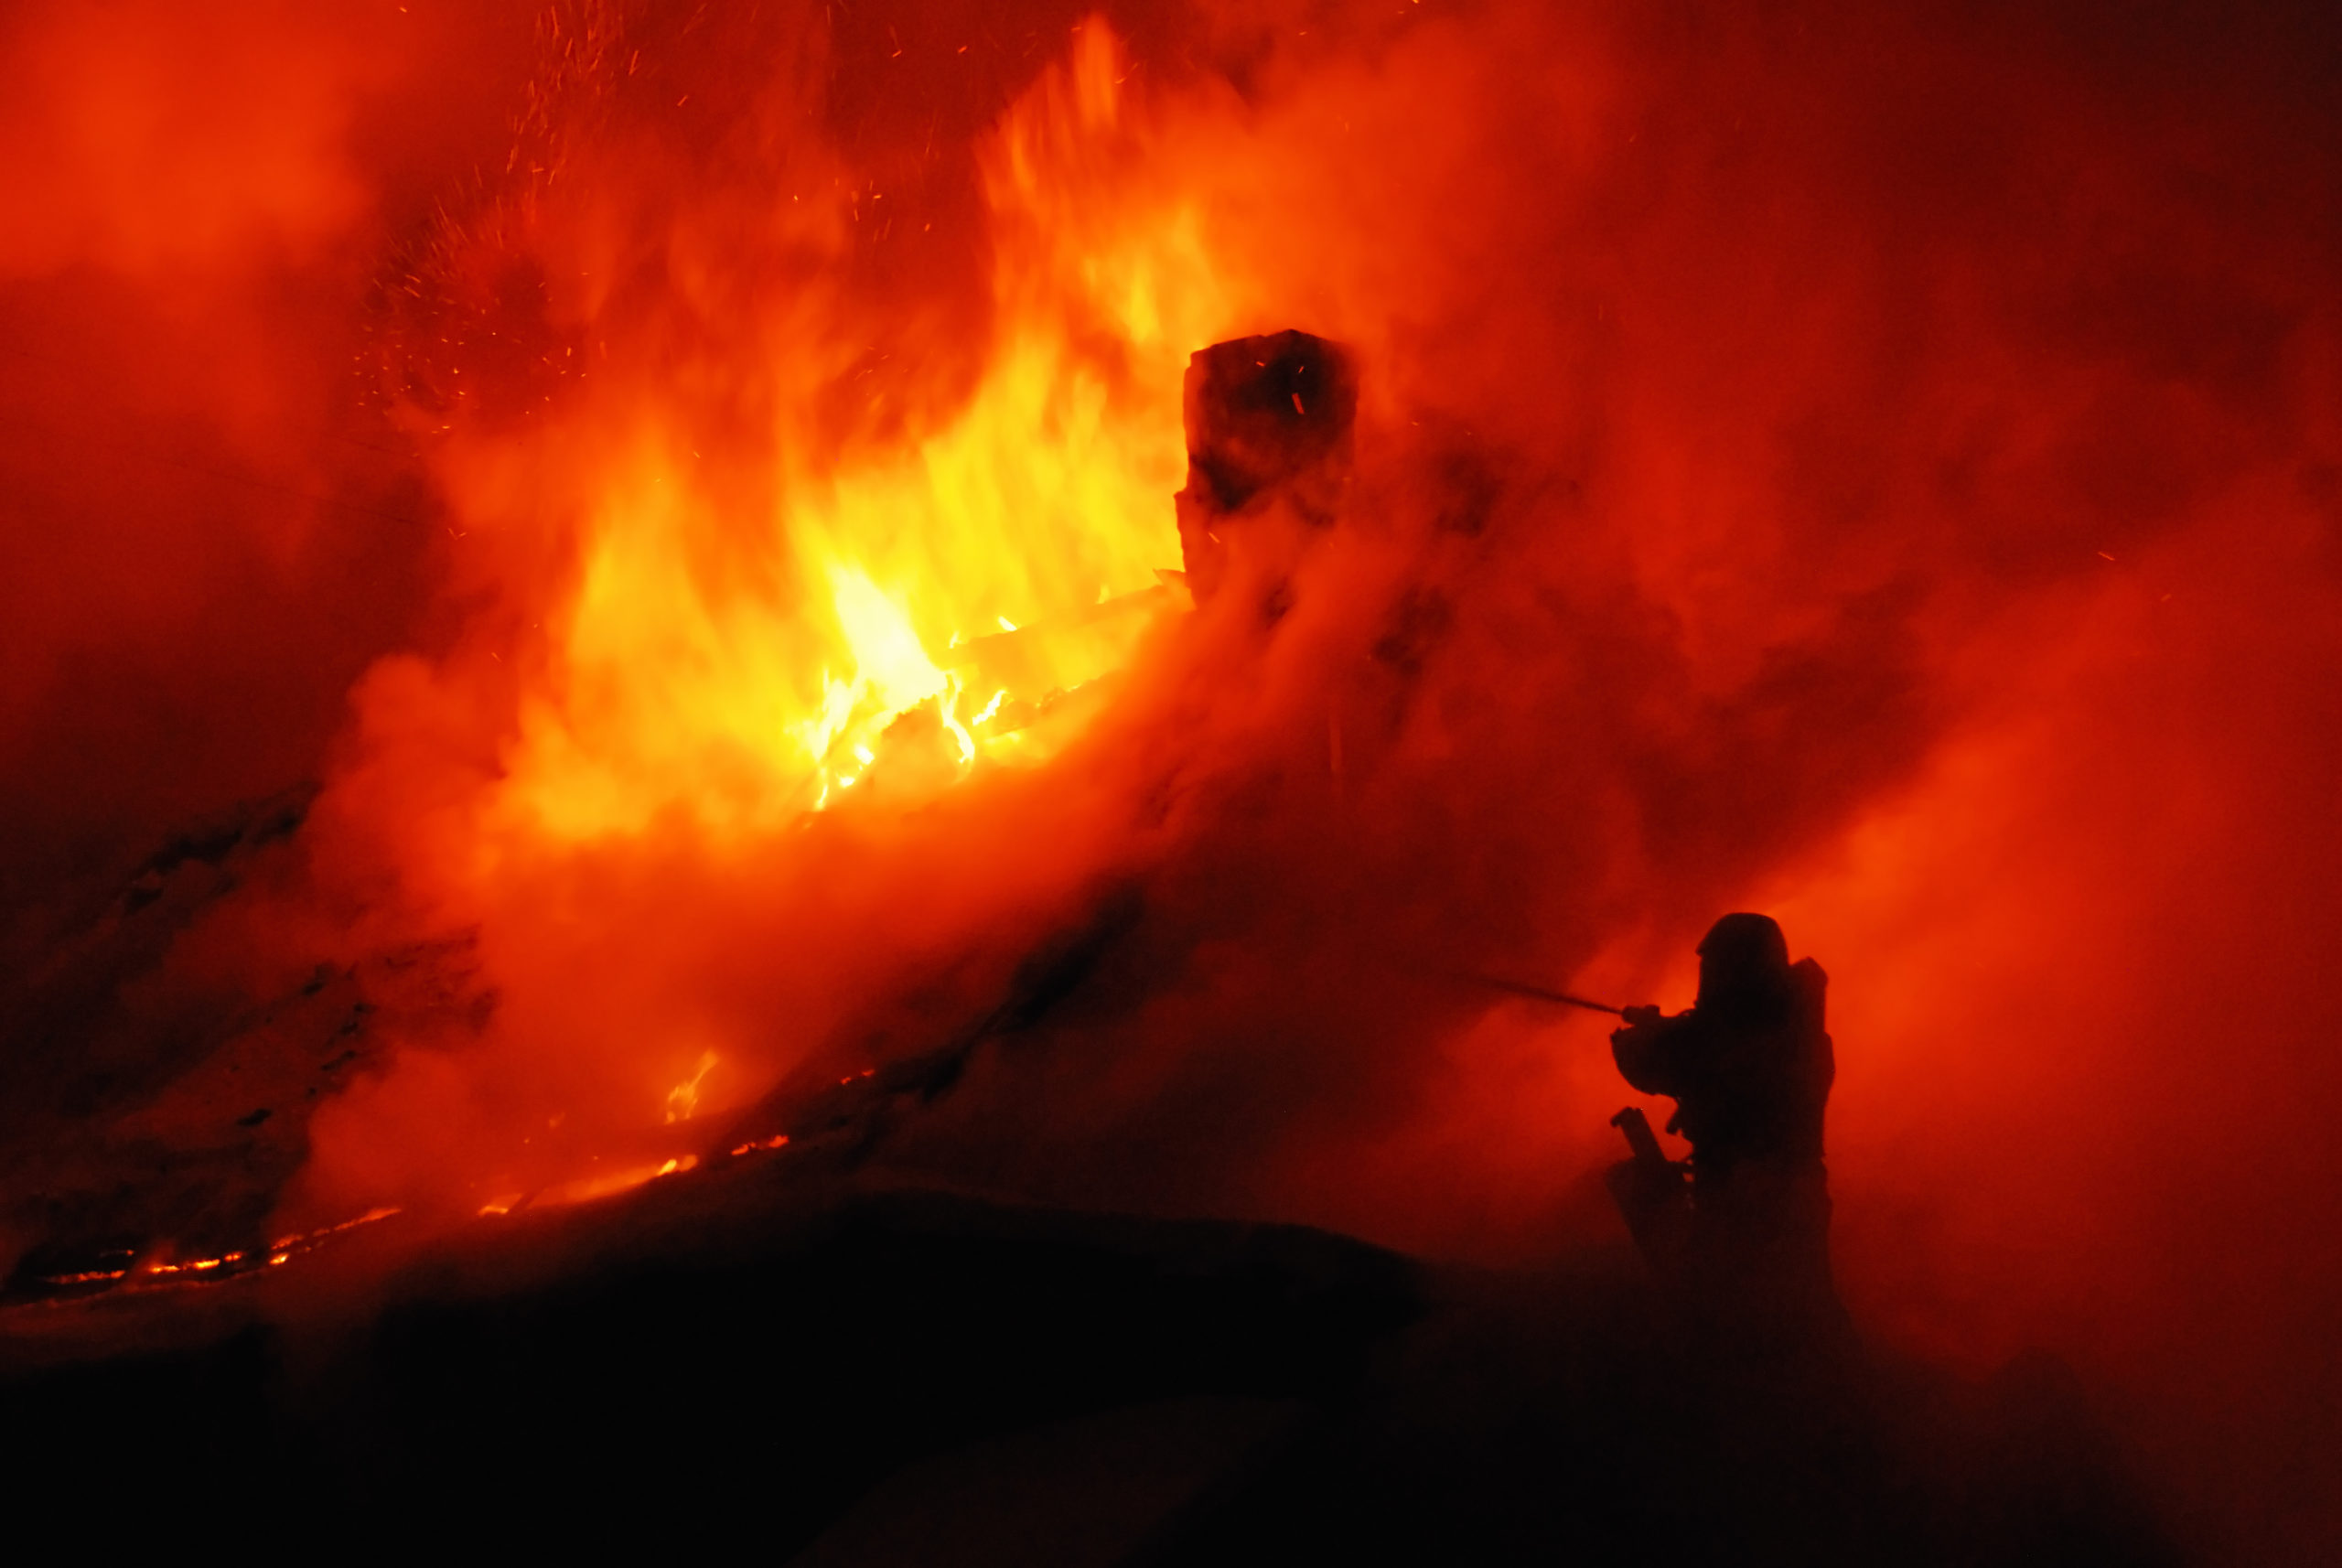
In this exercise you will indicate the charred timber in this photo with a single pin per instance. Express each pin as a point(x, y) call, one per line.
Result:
point(1269, 422)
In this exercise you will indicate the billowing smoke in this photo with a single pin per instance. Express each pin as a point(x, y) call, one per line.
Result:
point(1882, 471)
point(208, 533)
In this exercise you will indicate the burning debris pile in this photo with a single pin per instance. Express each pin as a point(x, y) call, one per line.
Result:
point(636, 621)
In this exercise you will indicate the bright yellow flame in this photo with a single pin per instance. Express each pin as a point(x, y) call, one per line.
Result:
point(738, 671)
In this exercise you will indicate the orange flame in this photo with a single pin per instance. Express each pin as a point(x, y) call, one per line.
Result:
point(745, 699)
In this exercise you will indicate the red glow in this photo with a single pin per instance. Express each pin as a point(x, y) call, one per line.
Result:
point(694, 507)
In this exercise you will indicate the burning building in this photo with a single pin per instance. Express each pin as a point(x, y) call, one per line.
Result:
point(689, 681)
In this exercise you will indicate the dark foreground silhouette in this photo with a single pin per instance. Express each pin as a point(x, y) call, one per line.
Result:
point(864, 1376)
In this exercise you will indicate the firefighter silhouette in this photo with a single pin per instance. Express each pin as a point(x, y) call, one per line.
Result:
point(1743, 1234)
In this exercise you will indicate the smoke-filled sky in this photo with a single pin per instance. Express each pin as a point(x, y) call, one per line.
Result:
point(1884, 472)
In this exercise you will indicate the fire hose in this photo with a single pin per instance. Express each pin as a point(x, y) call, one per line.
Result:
point(1541, 993)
